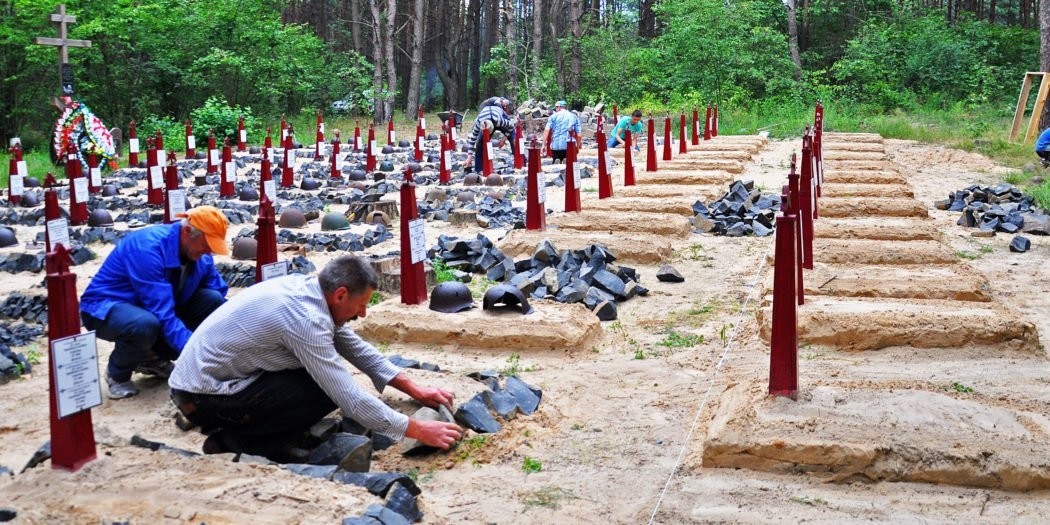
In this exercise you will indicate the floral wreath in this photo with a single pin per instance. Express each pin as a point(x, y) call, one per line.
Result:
point(79, 125)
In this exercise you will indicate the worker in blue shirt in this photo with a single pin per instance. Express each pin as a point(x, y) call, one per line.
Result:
point(156, 286)
point(558, 127)
point(1042, 147)
point(633, 124)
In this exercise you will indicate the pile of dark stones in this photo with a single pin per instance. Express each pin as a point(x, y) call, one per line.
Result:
point(743, 210)
point(1000, 208)
point(34, 262)
point(504, 401)
point(242, 274)
point(333, 241)
point(30, 308)
point(29, 217)
point(12, 364)
point(91, 234)
point(568, 276)
point(499, 213)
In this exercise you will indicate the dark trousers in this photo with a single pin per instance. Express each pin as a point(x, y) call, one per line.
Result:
point(1045, 155)
point(137, 334)
point(266, 416)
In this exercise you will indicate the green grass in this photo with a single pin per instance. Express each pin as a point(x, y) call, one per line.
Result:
point(38, 162)
point(514, 367)
point(960, 388)
point(530, 465)
point(549, 497)
point(675, 339)
point(442, 273)
point(963, 254)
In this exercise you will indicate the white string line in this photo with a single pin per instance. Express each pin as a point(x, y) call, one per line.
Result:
point(714, 376)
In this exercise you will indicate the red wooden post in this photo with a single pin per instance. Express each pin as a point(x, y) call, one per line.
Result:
point(650, 157)
point(818, 146)
point(191, 141)
point(133, 146)
point(175, 196)
point(783, 344)
point(413, 279)
point(616, 115)
point(320, 137)
point(422, 120)
point(357, 136)
point(265, 237)
point(420, 138)
point(452, 129)
point(707, 123)
point(242, 135)
point(445, 170)
point(53, 215)
point(154, 173)
point(519, 147)
point(667, 138)
point(266, 183)
point(696, 126)
point(15, 177)
point(284, 130)
point(229, 172)
point(536, 192)
point(682, 141)
point(287, 178)
point(337, 161)
point(605, 189)
point(714, 123)
point(391, 135)
point(94, 174)
point(572, 175)
point(72, 437)
point(805, 204)
point(485, 155)
point(790, 206)
point(267, 143)
point(628, 159)
point(213, 153)
point(78, 187)
point(370, 162)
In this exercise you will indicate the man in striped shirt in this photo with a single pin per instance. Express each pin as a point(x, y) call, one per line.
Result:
point(493, 115)
point(266, 366)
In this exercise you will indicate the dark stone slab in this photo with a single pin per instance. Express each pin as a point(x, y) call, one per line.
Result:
point(351, 452)
point(474, 414)
point(1020, 244)
point(527, 397)
point(668, 274)
point(313, 471)
point(401, 500)
point(378, 483)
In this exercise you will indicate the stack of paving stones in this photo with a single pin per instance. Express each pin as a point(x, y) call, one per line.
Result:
point(30, 308)
point(743, 210)
point(504, 401)
point(568, 276)
point(242, 274)
point(13, 365)
point(327, 241)
point(90, 235)
point(1000, 208)
point(34, 262)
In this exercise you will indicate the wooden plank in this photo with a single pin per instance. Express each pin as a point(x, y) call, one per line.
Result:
point(1022, 101)
point(1037, 110)
point(48, 41)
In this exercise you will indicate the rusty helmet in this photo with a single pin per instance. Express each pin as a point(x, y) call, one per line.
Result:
point(248, 193)
point(414, 167)
point(245, 248)
point(450, 297)
point(378, 217)
point(509, 296)
point(494, 180)
point(465, 197)
point(99, 218)
point(292, 218)
point(7, 237)
point(472, 179)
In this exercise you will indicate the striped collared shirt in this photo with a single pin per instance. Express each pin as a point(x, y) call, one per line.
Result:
point(285, 324)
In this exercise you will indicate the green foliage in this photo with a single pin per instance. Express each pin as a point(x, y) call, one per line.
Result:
point(1041, 193)
point(376, 298)
point(218, 116)
point(442, 273)
point(960, 388)
point(174, 133)
point(514, 367)
point(676, 339)
point(531, 466)
point(498, 64)
point(549, 497)
point(467, 448)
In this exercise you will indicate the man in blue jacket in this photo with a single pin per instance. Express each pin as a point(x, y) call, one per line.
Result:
point(156, 286)
point(1042, 147)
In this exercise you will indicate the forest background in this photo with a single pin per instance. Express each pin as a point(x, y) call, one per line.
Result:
point(937, 70)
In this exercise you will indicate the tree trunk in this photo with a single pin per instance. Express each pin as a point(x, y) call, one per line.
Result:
point(559, 57)
point(355, 26)
point(793, 37)
point(391, 71)
point(510, 22)
point(1044, 53)
point(379, 114)
point(537, 46)
point(991, 11)
point(646, 19)
point(575, 14)
point(492, 20)
point(412, 94)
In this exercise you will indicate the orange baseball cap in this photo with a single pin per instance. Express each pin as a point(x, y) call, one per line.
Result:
point(212, 223)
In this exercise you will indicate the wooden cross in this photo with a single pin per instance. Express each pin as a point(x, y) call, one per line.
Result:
point(63, 44)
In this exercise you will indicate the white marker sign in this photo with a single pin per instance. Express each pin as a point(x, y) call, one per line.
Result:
point(80, 189)
point(244, 136)
point(421, 148)
point(357, 142)
point(162, 157)
point(372, 147)
point(453, 129)
point(418, 240)
point(231, 172)
point(276, 269)
point(156, 177)
point(191, 142)
point(76, 373)
point(321, 128)
point(423, 122)
point(176, 202)
point(541, 187)
point(96, 176)
point(270, 189)
point(22, 168)
point(17, 185)
point(488, 151)
point(213, 155)
point(577, 169)
point(133, 145)
point(58, 233)
point(393, 137)
point(448, 159)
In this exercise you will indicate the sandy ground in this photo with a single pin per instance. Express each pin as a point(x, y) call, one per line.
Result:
point(621, 427)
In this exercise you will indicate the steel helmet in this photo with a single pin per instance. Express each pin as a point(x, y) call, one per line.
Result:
point(494, 180)
point(245, 248)
point(254, 150)
point(378, 217)
point(388, 149)
point(30, 199)
point(414, 167)
point(110, 190)
point(472, 179)
point(404, 143)
point(292, 218)
point(450, 297)
point(99, 218)
point(310, 183)
point(248, 193)
point(465, 196)
point(386, 165)
point(7, 237)
point(507, 295)
point(32, 182)
point(334, 221)
point(357, 175)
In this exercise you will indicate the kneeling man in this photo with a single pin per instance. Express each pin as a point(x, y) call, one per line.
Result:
point(266, 366)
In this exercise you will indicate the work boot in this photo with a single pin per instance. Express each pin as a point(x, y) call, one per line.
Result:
point(159, 368)
point(221, 442)
point(121, 390)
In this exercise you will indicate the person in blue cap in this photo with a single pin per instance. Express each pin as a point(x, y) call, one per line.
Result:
point(1042, 147)
point(558, 127)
